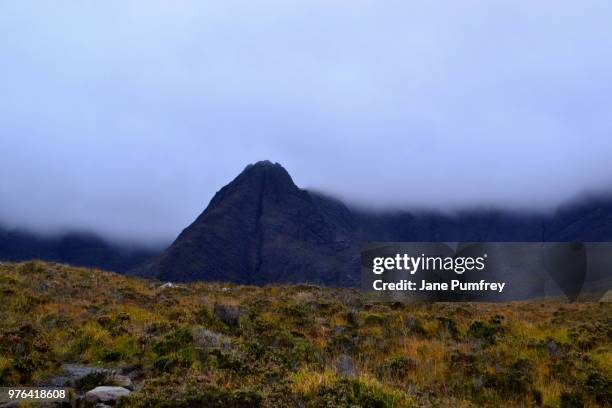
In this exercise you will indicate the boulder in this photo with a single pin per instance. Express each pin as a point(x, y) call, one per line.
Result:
point(346, 366)
point(106, 394)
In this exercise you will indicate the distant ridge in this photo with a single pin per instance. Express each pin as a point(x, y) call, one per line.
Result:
point(75, 248)
point(261, 228)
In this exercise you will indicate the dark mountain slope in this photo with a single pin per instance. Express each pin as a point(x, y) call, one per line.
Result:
point(587, 220)
point(469, 226)
point(81, 249)
point(262, 228)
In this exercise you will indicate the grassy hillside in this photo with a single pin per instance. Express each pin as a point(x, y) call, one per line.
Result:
point(240, 346)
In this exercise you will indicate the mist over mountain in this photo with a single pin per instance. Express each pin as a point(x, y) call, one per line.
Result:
point(433, 105)
point(262, 228)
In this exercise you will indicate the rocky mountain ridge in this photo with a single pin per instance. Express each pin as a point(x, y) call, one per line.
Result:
point(261, 228)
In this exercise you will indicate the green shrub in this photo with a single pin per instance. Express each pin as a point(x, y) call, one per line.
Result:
point(599, 387)
point(488, 332)
point(204, 316)
point(355, 392)
point(449, 326)
point(174, 341)
point(515, 382)
point(374, 319)
point(93, 380)
point(397, 367)
point(196, 396)
point(572, 400)
point(166, 364)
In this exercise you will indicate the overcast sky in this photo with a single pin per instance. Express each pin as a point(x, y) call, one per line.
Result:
point(125, 117)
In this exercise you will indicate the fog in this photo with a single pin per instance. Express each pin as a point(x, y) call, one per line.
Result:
point(126, 117)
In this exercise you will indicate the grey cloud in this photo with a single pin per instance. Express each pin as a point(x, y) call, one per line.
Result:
point(126, 117)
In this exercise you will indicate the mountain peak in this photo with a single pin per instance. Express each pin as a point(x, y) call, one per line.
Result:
point(265, 175)
point(266, 167)
point(264, 164)
point(260, 228)
point(255, 179)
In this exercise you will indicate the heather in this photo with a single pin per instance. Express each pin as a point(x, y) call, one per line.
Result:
point(227, 345)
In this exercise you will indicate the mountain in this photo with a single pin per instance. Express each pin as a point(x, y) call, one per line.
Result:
point(584, 220)
point(76, 248)
point(261, 228)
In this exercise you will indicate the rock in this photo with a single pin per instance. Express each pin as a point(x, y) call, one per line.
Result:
point(552, 347)
point(477, 382)
point(555, 349)
point(207, 338)
point(72, 374)
point(346, 366)
point(106, 394)
point(168, 285)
